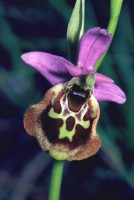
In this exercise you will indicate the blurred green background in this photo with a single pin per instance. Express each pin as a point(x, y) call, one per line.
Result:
point(24, 169)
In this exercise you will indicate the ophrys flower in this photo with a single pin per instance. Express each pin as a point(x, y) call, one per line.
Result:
point(64, 122)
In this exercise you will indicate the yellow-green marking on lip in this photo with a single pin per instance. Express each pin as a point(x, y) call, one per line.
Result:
point(63, 132)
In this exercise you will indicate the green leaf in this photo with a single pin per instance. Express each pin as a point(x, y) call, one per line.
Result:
point(75, 29)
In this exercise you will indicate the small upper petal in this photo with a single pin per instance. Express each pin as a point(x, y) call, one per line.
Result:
point(73, 70)
point(76, 70)
point(100, 78)
point(109, 92)
point(92, 45)
point(50, 66)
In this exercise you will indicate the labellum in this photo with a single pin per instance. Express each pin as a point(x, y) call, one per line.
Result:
point(64, 122)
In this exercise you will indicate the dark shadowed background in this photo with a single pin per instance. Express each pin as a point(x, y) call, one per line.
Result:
point(24, 169)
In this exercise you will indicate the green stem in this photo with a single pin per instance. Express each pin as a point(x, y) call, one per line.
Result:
point(56, 179)
point(115, 9)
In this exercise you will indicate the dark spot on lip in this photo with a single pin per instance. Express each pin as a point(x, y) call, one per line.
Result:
point(87, 115)
point(50, 126)
point(57, 107)
point(56, 104)
point(81, 136)
point(70, 122)
point(77, 97)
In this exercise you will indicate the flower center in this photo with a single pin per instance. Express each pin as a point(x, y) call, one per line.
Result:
point(77, 96)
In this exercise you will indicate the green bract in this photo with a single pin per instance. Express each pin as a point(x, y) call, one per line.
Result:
point(75, 29)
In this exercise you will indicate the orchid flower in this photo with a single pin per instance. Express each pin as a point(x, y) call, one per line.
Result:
point(64, 122)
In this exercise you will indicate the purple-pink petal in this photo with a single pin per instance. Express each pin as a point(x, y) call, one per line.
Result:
point(100, 78)
point(73, 70)
point(76, 71)
point(109, 92)
point(50, 66)
point(92, 45)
